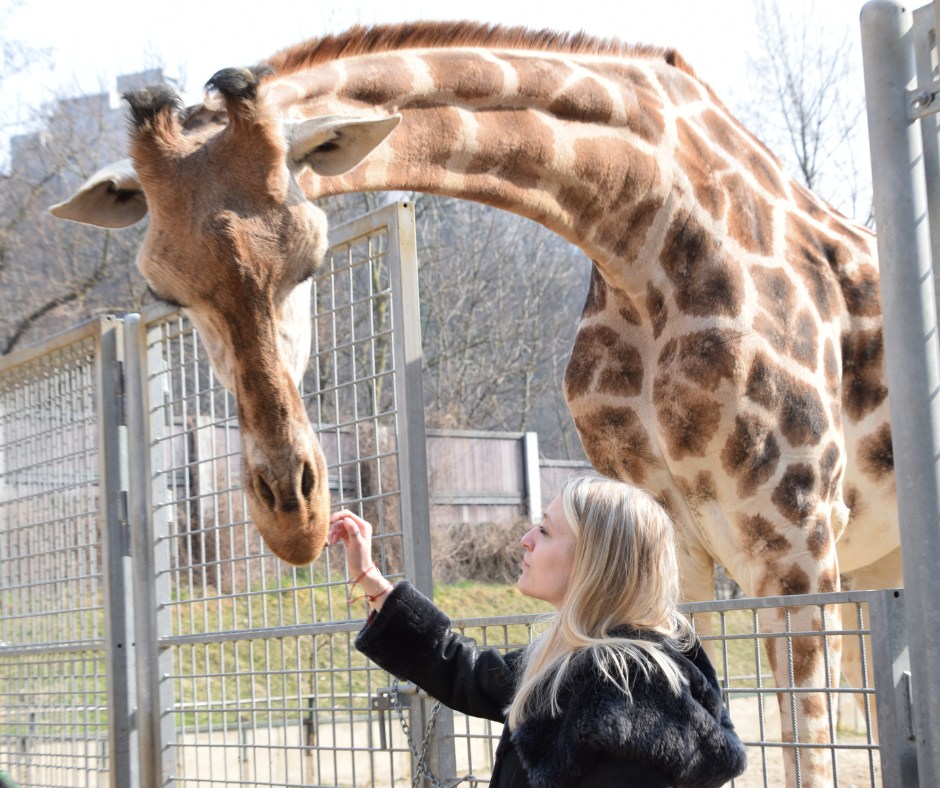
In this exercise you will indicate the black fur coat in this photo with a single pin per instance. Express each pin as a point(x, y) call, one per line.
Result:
point(602, 738)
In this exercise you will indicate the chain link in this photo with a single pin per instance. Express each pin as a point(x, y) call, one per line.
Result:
point(422, 769)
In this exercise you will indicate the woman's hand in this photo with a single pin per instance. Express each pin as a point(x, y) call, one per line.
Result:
point(356, 536)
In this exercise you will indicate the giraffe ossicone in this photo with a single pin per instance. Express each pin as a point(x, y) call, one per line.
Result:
point(729, 356)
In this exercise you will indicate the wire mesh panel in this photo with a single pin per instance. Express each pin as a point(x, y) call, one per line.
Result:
point(267, 688)
point(53, 667)
point(736, 638)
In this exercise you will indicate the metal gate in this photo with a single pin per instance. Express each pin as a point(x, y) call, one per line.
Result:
point(148, 638)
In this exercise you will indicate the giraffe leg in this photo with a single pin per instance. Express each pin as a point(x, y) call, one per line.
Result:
point(698, 585)
point(806, 667)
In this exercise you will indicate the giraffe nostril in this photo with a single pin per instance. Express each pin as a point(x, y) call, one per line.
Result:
point(306, 481)
point(265, 492)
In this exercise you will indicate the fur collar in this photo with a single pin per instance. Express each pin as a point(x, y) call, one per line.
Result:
point(689, 737)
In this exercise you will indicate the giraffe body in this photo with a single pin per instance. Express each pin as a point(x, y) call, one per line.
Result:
point(729, 357)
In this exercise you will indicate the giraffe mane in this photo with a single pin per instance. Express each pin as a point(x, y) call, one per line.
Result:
point(361, 40)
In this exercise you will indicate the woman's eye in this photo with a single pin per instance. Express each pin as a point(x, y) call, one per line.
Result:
point(543, 531)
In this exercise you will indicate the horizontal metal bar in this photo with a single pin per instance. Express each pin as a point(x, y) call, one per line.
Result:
point(265, 633)
point(796, 600)
point(714, 606)
point(73, 336)
point(52, 648)
point(478, 499)
point(475, 434)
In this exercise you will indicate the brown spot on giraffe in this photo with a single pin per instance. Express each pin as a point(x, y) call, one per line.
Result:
point(862, 291)
point(378, 82)
point(702, 488)
point(701, 164)
point(795, 495)
point(612, 198)
point(704, 279)
point(775, 293)
point(761, 538)
point(687, 417)
point(804, 347)
point(853, 500)
point(656, 309)
point(791, 334)
point(876, 453)
point(751, 223)
point(801, 414)
point(619, 443)
point(679, 88)
point(740, 145)
point(437, 123)
point(813, 706)
point(601, 359)
point(818, 540)
point(586, 101)
point(704, 357)
point(465, 77)
point(807, 654)
point(751, 453)
point(828, 581)
point(597, 295)
point(520, 155)
point(639, 217)
point(537, 78)
point(863, 382)
point(807, 257)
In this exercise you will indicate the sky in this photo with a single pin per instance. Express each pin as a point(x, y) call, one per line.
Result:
point(93, 41)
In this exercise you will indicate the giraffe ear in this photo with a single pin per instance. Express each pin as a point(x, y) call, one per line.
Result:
point(112, 198)
point(334, 144)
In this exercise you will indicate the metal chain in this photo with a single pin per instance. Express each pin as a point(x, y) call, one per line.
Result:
point(422, 768)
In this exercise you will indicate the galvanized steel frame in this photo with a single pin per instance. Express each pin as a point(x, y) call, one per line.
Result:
point(899, 53)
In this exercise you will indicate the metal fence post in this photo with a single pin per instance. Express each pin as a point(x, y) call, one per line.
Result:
point(533, 478)
point(892, 668)
point(416, 507)
point(152, 661)
point(116, 556)
point(910, 329)
point(410, 394)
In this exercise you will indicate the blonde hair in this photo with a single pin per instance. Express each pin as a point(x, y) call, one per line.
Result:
point(624, 572)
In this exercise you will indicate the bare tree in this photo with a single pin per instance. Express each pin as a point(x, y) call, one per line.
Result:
point(55, 274)
point(500, 297)
point(806, 101)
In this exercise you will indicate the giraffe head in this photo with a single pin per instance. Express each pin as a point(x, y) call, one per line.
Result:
point(234, 242)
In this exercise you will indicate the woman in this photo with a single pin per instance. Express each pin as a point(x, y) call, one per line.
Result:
point(617, 692)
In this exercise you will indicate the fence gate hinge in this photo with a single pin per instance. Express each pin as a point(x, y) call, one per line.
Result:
point(922, 102)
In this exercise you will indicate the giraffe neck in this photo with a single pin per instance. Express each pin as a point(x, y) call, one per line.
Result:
point(581, 144)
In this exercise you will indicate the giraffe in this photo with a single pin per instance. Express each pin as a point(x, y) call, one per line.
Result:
point(729, 357)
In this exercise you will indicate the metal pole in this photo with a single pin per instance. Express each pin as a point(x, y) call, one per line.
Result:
point(911, 348)
point(148, 677)
point(415, 506)
point(118, 585)
point(892, 666)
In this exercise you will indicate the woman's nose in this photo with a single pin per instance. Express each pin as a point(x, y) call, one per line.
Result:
point(526, 540)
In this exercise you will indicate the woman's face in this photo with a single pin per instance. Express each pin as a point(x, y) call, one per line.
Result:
point(549, 553)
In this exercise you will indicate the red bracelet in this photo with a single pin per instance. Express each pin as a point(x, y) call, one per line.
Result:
point(355, 582)
point(352, 600)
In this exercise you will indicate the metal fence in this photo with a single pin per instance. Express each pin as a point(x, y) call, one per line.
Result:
point(148, 638)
